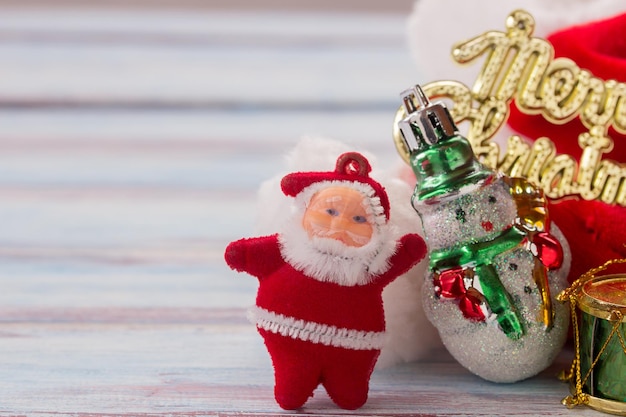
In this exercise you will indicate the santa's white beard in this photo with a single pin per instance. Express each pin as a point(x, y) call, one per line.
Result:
point(330, 260)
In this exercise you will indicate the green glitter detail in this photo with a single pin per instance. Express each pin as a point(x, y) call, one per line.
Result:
point(481, 255)
point(476, 252)
point(446, 166)
point(460, 215)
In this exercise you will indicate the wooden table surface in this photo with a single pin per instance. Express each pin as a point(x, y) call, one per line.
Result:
point(132, 143)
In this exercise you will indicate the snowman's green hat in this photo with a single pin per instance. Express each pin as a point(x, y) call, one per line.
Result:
point(442, 159)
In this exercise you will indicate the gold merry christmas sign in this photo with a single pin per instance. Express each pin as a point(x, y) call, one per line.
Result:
point(521, 67)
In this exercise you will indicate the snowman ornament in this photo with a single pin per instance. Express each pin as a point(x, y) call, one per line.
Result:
point(495, 263)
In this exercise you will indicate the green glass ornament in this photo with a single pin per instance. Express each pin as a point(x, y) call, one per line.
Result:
point(490, 251)
point(442, 159)
point(444, 164)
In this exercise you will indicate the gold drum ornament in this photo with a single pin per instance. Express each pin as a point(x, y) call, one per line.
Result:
point(598, 373)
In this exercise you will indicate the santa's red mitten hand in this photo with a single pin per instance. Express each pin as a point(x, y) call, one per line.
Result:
point(412, 247)
point(593, 229)
point(410, 250)
point(235, 255)
point(258, 256)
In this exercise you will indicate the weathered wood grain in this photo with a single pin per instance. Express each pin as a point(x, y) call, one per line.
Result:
point(132, 143)
point(218, 58)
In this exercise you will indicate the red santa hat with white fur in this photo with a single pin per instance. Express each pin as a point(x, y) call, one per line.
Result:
point(351, 171)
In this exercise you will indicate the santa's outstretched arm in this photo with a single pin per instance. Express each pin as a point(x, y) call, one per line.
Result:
point(258, 256)
point(410, 250)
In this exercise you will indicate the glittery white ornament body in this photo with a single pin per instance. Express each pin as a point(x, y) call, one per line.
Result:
point(481, 214)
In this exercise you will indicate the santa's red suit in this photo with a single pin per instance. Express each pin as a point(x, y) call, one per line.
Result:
point(316, 331)
point(322, 325)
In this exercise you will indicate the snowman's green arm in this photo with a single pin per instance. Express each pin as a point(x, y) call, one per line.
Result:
point(476, 253)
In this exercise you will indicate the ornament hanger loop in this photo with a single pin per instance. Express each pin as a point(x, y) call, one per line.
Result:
point(414, 93)
point(352, 163)
point(520, 22)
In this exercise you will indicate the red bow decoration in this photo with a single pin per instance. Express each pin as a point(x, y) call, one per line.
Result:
point(450, 284)
point(549, 251)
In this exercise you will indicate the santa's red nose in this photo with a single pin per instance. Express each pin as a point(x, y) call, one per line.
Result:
point(488, 226)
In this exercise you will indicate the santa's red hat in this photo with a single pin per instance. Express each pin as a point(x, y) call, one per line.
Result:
point(595, 230)
point(352, 171)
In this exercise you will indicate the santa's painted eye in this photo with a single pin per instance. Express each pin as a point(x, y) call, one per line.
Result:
point(359, 219)
point(492, 199)
point(332, 212)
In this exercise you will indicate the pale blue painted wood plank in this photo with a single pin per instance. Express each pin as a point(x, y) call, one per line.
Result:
point(105, 220)
point(53, 284)
point(193, 150)
point(191, 369)
point(109, 368)
point(235, 129)
point(357, 26)
point(202, 170)
point(325, 57)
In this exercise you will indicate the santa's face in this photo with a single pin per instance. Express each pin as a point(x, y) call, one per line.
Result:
point(338, 213)
point(336, 237)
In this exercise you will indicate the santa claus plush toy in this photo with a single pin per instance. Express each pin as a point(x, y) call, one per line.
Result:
point(319, 304)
